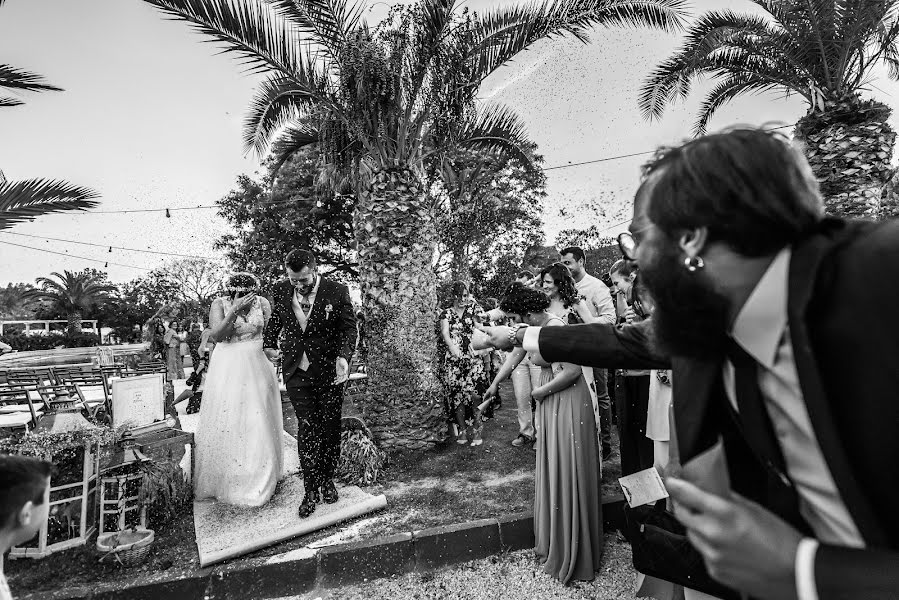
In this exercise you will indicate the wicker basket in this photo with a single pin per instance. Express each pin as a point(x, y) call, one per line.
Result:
point(129, 548)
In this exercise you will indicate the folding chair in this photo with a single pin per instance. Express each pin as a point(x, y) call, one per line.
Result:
point(54, 395)
point(17, 412)
point(61, 374)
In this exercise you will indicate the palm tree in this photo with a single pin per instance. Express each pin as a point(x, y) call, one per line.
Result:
point(25, 200)
point(71, 293)
point(379, 101)
point(822, 50)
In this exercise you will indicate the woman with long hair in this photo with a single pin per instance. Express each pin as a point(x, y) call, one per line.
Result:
point(568, 498)
point(464, 371)
point(565, 301)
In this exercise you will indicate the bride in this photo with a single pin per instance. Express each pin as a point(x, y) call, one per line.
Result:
point(239, 439)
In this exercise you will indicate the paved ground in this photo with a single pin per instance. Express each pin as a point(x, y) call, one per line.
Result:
point(513, 575)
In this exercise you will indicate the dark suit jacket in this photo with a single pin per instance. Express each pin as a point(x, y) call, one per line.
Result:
point(329, 333)
point(842, 310)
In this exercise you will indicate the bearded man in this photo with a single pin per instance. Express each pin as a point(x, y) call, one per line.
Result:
point(760, 302)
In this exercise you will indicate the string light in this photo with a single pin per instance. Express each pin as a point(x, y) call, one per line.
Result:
point(42, 237)
point(72, 256)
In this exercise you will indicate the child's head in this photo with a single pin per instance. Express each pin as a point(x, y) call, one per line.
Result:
point(23, 486)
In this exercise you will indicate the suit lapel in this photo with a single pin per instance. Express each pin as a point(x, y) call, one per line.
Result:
point(804, 266)
point(694, 413)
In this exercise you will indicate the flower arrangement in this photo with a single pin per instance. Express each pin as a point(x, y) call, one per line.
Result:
point(48, 444)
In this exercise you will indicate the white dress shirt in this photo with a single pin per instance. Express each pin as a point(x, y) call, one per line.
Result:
point(762, 329)
point(303, 316)
point(598, 296)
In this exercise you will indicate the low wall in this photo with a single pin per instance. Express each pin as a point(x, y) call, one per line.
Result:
point(65, 356)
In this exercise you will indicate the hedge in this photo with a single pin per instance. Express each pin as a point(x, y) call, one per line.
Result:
point(54, 339)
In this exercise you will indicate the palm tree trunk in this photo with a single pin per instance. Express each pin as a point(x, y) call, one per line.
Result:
point(396, 242)
point(849, 147)
point(459, 267)
point(74, 323)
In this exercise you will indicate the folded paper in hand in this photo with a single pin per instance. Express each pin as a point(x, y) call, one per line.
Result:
point(643, 487)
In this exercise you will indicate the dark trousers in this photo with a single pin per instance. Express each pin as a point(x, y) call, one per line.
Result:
point(318, 431)
point(632, 400)
point(604, 401)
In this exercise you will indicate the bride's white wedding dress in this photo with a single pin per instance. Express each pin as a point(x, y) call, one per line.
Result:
point(240, 436)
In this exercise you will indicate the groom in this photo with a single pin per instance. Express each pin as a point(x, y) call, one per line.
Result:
point(319, 334)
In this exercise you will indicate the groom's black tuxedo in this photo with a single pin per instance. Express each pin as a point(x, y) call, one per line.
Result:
point(843, 294)
point(330, 333)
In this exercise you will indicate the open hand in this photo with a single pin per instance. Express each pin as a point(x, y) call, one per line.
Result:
point(743, 544)
point(498, 336)
point(343, 370)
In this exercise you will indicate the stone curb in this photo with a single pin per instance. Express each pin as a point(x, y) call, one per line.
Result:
point(301, 571)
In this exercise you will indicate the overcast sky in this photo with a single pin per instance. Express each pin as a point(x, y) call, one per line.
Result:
point(151, 118)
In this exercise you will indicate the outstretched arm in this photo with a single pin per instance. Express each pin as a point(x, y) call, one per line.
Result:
point(272, 329)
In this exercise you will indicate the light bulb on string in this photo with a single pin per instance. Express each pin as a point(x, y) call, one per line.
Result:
point(110, 249)
point(168, 215)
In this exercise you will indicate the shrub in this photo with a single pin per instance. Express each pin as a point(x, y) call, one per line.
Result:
point(24, 342)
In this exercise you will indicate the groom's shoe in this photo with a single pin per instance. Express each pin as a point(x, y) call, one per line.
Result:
point(307, 507)
point(329, 492)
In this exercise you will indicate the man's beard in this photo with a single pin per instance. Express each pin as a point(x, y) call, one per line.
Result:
point(690, 317)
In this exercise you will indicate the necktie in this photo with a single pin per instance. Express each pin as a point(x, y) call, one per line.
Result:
point(757, 428)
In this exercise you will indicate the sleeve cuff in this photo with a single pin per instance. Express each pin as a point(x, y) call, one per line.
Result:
point(531, 341)
point(805, 569)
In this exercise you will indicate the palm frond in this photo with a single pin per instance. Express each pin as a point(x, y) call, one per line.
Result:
point(252, 29)
point(290, 141)
point(724, 92)
point(24, 200)
point(504, 32)
point(277, 101)
point(10, 102)
point(497, 129)
point(722, 33)
point(328, 22)
point(13, 78)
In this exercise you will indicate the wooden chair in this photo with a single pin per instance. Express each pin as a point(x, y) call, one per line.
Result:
point(17, 412)
point(61, 374)
point(96, 398)
point(105, 356)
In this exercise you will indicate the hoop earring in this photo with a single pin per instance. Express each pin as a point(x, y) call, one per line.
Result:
point(694, 264)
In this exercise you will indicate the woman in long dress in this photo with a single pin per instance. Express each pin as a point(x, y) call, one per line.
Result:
point(239, 439)
point(173, 363)
point(567, 498)
point(464, 371)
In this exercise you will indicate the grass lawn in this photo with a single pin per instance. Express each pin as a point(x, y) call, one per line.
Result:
point(448, 484)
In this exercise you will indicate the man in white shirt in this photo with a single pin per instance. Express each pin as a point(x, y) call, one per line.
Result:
point(599, 299)
point(761, 304)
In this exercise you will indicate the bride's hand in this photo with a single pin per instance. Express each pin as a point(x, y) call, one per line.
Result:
point(272, 354)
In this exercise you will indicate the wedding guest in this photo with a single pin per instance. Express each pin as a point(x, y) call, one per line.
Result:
point(173, 338)
point(762, 304)
point(464, 370)
point(157, 340)
point(632, 385)
point(599, 302)
point(569, 305)
point(525, 376)
point(24, 482)
point(567, 499)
